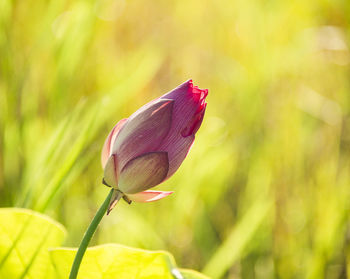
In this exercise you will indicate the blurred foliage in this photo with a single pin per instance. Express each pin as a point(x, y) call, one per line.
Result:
point(264, 192)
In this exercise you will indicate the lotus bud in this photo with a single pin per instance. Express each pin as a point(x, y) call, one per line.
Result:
point(147, 148)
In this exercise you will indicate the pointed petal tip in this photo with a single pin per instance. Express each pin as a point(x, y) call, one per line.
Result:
point(149, 196)
point(167, 105)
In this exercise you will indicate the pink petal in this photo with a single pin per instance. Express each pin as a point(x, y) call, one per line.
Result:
point(177, 147)
point(144, 131)
point(111, 171)
point(193, 126)
point(149, 196)
point(143, 172)
point(109, 141)
point(188, 112)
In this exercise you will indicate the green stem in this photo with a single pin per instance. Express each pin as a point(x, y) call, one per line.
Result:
point(88, 235)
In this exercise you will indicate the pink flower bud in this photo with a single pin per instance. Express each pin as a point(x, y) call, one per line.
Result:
point(147, 148)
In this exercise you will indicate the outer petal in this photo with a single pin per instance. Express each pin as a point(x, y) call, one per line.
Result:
point(189, 100)
point(144, 131)
point(149, 196)
point(177, 148)
point(111, 171)
point(193, 126)
point(188, 112)
point(143, 172)
point(109, 141)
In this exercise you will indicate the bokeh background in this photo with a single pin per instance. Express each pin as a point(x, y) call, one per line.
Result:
point(264, 192)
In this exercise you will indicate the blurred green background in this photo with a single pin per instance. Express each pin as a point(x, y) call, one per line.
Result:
point(264, 192)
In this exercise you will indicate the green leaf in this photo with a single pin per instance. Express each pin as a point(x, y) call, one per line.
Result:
point(115, 261)
point(25, 237)
point(27, 241)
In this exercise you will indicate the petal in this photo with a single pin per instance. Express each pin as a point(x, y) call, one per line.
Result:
point(144, 131)
point(143, 172)
point(193, 126)
point(111, 171)
point(109, 141)
point(188, 112)
point(149, 196)
point(189, 98)
point(177, 147)
point(189, 101)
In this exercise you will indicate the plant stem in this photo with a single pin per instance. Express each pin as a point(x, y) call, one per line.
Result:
point(88, 235)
